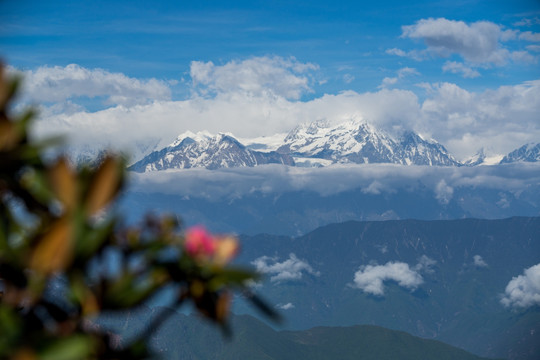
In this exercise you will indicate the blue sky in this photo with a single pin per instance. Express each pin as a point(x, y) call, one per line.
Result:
point(423, 59)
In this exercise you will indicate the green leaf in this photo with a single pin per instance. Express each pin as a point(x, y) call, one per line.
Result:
point(230, 277)
point(10, 329)
point(71, 348)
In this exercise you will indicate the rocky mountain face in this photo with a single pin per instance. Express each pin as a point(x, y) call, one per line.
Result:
point(527, 153)
point(361, 143)
point(313, 144)
point(206, 151)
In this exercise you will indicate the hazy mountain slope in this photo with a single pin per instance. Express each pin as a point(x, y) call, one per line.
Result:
point(464, 265)
point(190, 337)
point(528, 153)
point(297, 212)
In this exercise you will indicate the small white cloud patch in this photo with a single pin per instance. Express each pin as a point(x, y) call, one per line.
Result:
point(370, 278)
point(460, 68)
point(289, 270)
point(523, 291)
point(443, 192)
point(286, 306)
point(479, 262)
point(425, 264)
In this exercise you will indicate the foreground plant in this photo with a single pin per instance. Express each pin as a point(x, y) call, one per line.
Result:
point(64, 259)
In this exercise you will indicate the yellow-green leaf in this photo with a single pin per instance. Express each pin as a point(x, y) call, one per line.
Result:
point(105, 185)
point(64, 184)
point(54, 251)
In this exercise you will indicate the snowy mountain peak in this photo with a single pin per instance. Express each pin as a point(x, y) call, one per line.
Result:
point(476, 159)
point(203, 150)
point(527, 153)
point(319, 143)
point(200, 136)
point(360, 142)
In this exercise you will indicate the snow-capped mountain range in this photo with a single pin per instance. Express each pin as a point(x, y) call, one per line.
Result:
point(361, 143)
point(313, 144)
point(204, 150)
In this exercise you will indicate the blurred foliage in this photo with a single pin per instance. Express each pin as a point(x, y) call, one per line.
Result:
point(64, 257)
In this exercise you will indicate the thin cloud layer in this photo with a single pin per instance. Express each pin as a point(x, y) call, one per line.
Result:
point(291, 269)
point(523, 291)
point(459, 68)
point(370, 178)
point(401, 73)
point(59, 84)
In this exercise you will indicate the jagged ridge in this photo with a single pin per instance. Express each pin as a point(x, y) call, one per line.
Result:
point(211, 152)
point(315, 144)
point(527, 153)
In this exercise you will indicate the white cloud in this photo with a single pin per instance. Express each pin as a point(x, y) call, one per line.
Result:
point(240, 114)
point(413, 54)
point(443, 192)
point(288, 270)
point(348, 78)
point(397, 52)
point(479, 261)
point(498, 119)
point(253, 103)
point(407, 71)
point(523, 291)
point(523, 57)
point(286, 306)
point(530, 36)
point(371, 278)
point(528, 21)
point(327, 181)
point(460, 68)
point(401, 73)
point(59, 84)
point(257, 76)
point(533, 48)
point(387, 81)
point(425, 264)
point(476, 42)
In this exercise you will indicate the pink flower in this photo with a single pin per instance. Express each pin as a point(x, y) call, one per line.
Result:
point(203, 246)
point(199, 242)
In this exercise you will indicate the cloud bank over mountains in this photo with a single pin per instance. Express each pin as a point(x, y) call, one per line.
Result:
point(265, 95)
point(498, 120)
point(231, 183)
